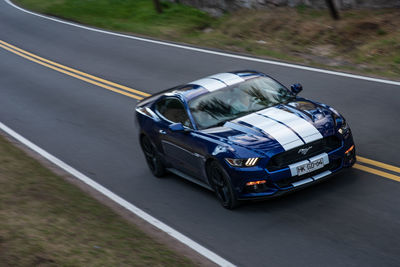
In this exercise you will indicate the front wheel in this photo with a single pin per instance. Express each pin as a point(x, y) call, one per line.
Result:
point(222, 185)
point(152, 157)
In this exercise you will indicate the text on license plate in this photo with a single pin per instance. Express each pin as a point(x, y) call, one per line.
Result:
point(310, 167)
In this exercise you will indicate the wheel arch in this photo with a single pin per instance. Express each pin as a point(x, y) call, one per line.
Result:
point(206, 170)
point(206, 166)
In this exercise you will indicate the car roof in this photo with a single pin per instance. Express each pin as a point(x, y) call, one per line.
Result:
point(212, 83)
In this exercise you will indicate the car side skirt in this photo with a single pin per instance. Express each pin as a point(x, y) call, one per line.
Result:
point(189, 178)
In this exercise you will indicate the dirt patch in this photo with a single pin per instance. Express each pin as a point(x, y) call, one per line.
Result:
point(361, 41)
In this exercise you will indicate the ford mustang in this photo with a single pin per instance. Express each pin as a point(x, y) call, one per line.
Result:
point(243, 135)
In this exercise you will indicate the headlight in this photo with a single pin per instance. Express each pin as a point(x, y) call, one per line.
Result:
point(344, 127)
point(339, 121)
point(242, 162)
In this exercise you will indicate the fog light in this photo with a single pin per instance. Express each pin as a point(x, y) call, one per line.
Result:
point(348, 151)
point(256, 182)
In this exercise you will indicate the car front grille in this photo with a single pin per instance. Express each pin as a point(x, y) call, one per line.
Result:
point(282, 160)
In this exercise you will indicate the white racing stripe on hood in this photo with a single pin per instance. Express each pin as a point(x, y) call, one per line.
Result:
point(303, 128)
point(286, 137)
point(228, 78)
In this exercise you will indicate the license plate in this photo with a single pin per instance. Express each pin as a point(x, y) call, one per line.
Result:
point(310, 167)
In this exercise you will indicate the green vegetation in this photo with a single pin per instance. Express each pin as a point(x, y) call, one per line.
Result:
point(45, 221)
point(138, 16)
point(364, 41)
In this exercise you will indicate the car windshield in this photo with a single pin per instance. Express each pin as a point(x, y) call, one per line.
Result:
point(215, 108)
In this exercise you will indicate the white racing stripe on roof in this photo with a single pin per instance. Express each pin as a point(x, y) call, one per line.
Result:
point(228, 78)
point(303, 128)
point(209, 84)
point(286, 137)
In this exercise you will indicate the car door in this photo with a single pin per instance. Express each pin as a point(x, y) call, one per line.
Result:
point(183, 149)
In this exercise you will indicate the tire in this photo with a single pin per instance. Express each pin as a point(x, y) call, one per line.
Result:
point(153, 159)
point(222, 185)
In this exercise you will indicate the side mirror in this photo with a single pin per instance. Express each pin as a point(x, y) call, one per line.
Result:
point(176, 127)
point(296, 88)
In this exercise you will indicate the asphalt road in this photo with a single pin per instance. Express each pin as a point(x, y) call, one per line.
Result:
point(350, 220)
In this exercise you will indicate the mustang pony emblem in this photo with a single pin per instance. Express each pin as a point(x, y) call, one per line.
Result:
point(304, 150)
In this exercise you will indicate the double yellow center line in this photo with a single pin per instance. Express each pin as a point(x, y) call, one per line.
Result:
point(367, 165)
point(364, 167)
point(117, 88)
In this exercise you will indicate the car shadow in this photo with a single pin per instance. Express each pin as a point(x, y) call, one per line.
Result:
point(342, 183)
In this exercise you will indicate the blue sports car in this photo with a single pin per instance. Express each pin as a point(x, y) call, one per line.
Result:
point(243, 135)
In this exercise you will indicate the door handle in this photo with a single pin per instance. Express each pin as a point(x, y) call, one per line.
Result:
point(162, 132)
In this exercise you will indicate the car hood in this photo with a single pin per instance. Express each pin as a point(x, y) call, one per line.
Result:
point(279, 128)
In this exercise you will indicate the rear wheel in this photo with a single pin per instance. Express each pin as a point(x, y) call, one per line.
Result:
point(222, 185)
point(152, 157)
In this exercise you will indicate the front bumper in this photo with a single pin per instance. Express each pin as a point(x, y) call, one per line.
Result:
point(306, 182)
point(285, 181)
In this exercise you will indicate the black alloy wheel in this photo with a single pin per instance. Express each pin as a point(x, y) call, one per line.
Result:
point(222, 186)
point(152, 157)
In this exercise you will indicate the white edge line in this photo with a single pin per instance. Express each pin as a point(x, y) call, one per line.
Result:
point(132, 208)
point(348, 75)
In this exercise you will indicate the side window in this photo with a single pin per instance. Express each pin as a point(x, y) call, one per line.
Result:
point(173, 110)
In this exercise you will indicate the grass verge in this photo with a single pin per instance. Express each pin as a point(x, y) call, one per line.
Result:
point(364, 41)
point(45, 221)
